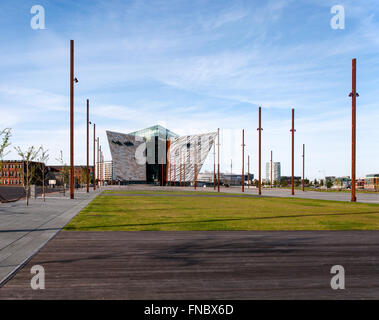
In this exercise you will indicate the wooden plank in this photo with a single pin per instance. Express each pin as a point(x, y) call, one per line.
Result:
point(202, 265)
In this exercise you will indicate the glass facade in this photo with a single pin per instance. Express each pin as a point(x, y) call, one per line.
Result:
point(156, 138)
point(155, 131)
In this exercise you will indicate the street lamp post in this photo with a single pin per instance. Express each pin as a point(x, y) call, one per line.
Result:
point(72, 119)
point(293, 154)
point(218, 160)
point(259, 151)
point(98, 160)
point(195, 165)
point(248, 171)
point(243, 160)
point(271, 170)
point(101, 178)
point(353, 94)
point(214, 165)
point(303, 182)
point(94, 157)
point(87, 176)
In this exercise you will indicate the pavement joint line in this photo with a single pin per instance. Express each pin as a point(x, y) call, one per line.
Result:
point(75, 209)
point(35, 229)
point(248, 195)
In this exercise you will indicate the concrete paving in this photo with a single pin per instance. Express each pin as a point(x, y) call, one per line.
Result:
point(24, 230)
point(266, 192)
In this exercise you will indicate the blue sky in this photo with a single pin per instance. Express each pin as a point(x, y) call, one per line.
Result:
point(194, 66)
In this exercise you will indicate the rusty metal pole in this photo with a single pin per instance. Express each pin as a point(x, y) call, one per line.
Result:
point(243, 160)
point(168, 162)
point(72, 119)
point(101, 170)
point(259, 151)
point(353, 96)
point(214, 165)
point(98, 160)
point(87, 146)
point(184, 166)
point(94, 157)
point(195, 167)
point(293, 154)
point(162, 172)
point(271, 170)
point(248, 171)
point(218, 160)
point(303, 182)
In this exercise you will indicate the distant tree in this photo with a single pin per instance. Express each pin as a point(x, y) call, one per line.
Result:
point(65, 172)
point(321, 183)
point(329, 183)
point(338, 183)
point(44, 157)
point(4, 144)
point(29, 171)
point(315, 183)
point(83, 175)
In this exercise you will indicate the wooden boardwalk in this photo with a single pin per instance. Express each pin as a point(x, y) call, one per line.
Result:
point(202, 265)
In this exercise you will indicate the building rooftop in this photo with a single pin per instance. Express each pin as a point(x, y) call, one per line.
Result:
point(155, 131)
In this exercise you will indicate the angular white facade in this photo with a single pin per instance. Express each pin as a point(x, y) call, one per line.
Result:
point(125, 150)
point(157, 154)
point(186, 155)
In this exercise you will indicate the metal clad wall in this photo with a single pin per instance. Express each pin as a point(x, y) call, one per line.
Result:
point(185, 151)
point(123, 149)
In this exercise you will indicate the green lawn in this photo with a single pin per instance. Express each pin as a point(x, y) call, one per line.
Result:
point(136, 213)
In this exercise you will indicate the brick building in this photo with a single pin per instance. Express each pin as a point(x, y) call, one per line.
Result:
point(55, 173)
point(12, 172)
point(371, 182)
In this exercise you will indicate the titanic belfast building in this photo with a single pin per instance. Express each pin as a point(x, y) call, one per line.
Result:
point(158, 155)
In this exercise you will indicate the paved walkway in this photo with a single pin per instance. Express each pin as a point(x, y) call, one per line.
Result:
point(24, 230)
point(275, 192)
point(202, 265)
